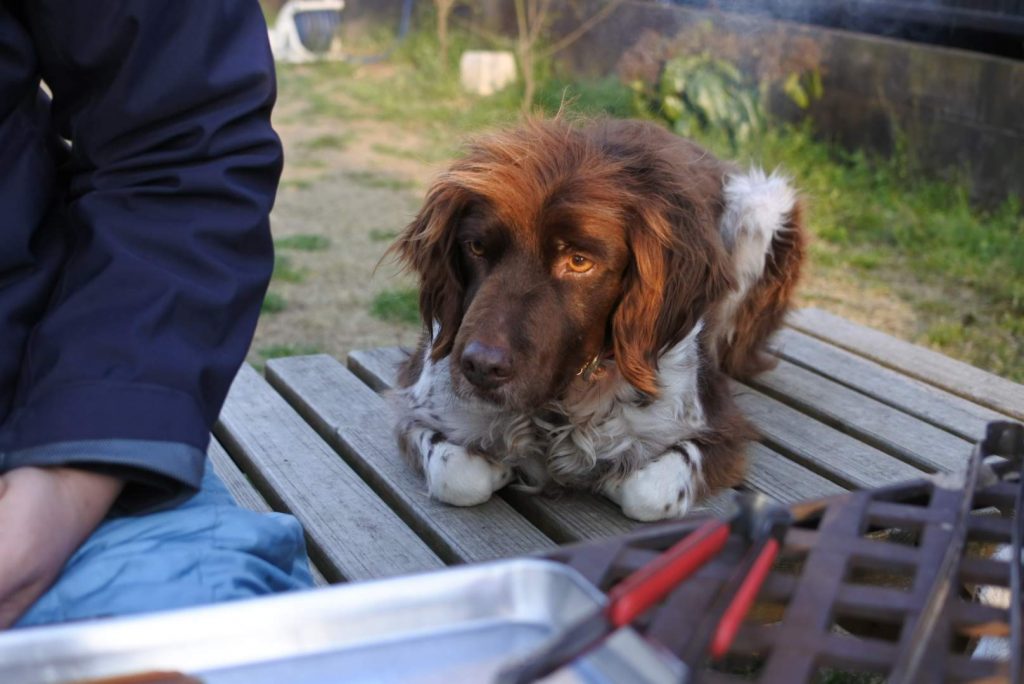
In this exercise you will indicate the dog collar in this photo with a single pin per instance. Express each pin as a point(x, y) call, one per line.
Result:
point(593, 367)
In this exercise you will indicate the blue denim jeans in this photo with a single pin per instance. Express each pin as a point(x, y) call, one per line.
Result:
point(205, 550)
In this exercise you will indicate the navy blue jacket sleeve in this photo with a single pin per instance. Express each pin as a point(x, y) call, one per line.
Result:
point(172, 174)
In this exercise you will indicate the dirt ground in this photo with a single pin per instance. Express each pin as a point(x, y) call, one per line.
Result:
point(359, 181)
point(358, 199)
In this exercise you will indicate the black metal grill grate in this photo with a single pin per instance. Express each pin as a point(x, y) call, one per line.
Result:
point(847, 590)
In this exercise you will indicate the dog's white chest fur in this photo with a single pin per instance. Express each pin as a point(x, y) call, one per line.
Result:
point(601, 431)
point(609, 429)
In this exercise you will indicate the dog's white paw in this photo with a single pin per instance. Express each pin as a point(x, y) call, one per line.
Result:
point(461, 478)
point(664, 488)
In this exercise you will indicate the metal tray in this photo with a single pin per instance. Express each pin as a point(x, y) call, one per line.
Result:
point(453, 626)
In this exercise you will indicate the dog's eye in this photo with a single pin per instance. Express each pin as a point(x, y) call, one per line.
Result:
point(475, 247)
point(579, 263)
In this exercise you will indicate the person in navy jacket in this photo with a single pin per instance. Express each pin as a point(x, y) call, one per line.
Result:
point(135, 250)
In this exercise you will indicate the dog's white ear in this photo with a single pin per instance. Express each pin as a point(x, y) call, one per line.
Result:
point(429, 247)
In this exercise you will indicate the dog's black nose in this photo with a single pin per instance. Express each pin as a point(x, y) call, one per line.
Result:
point(485, 366)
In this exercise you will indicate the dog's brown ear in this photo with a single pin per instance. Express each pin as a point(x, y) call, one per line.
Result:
point(429, 247)
point(679, 268)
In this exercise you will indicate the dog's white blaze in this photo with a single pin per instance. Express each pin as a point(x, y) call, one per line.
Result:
point(421, 389)
point(605, 422)
point(431, 404)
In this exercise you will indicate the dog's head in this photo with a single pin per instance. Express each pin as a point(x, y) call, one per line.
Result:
point(550, 245)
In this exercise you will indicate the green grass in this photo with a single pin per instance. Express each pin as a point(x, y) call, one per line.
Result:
point(328, 141)
point(304, 242)
point(273, 303)
point(369, 179)
point(884, 221)
point(885, 211)
point(286, 272)
point(379, 235)
point(278, 351)
point(590, 97)
point(397, 306)
point(397, 152)
point(300, 184)
point(830, 676)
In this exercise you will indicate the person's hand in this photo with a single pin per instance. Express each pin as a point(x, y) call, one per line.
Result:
point(45, 515)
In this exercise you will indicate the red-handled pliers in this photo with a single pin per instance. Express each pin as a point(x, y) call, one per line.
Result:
point(762, 522)
point(766, 523)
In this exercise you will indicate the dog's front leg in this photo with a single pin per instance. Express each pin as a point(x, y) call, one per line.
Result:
point(454, 474)
point(664, 488)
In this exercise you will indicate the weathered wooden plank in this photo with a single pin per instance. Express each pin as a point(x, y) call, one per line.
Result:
point(358, 424)
point(242, 491)
point(351, 533)
point(929, 366)
point(377, 367)
point(787, 482)
point(927, 402)
point(871, 421)
point(576, 517)
point(821, 448)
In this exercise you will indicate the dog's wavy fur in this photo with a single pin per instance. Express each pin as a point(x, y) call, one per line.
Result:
point(695, 265)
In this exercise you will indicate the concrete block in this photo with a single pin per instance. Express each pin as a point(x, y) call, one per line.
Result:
point(485, 72)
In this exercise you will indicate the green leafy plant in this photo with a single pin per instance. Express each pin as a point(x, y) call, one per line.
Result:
point(708, 77)
point(700, 92)
point(803, 88)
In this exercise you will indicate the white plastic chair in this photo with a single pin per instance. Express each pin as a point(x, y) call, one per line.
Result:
point(306, 31)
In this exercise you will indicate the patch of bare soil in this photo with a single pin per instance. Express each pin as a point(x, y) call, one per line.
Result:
point(339, 185)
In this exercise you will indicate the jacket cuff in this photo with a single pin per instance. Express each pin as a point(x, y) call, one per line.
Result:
point(85, 412)
point(157, 474)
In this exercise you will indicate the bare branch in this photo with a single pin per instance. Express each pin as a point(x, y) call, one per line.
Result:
point(444, 10)
point(571, 37)
point(522, 19)
point(489, 36)
point(540, 20)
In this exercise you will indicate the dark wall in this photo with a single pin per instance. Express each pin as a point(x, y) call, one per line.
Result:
point(361, 16)
point(960, 112)
point(995, 27)
point(374, 9)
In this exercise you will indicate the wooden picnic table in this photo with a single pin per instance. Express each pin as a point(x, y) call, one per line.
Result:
point(846, 407)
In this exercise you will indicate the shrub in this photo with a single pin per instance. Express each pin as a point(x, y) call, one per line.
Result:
point(709, 94)
point(709, 78)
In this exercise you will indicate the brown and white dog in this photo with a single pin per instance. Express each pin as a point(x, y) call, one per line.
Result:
point(586, 289)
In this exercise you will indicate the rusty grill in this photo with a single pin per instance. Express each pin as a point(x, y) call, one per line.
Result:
point(860, 589)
